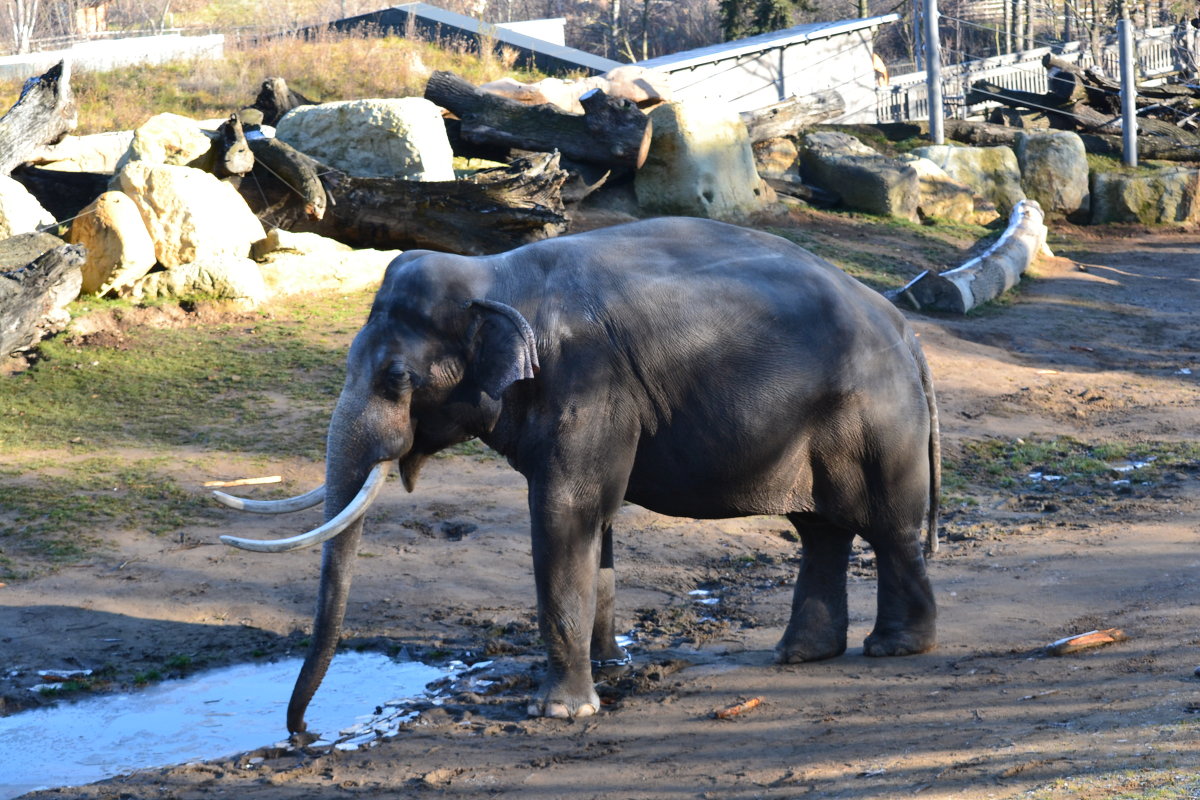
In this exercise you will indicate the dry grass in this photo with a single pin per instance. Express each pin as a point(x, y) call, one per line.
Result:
point(330, 67)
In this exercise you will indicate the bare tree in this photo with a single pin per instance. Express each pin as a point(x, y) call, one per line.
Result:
point(23, 17)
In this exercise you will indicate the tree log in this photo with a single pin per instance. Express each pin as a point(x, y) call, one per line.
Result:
point(275, 99)
point(64, 193)
point(233, 153)
point(33, 298)
point(790, 117)
point(985, 277)
point(489, 212)
point(43, 113)
point(983, 134)
point(611, 133)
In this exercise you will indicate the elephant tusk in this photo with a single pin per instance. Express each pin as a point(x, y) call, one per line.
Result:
point(347, 517)
point(298, 503)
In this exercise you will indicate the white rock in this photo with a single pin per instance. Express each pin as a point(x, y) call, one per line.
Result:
point(170, 139)
point(214, 277)
point(190, 214)
point(119, 248)
point(20, 212)
point(700, 164)
point(293, 263)
point(403, 138)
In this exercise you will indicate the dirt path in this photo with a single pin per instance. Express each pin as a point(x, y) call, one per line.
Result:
point(1104, 353)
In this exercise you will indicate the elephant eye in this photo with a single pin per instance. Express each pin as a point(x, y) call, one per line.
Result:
point(396, 380)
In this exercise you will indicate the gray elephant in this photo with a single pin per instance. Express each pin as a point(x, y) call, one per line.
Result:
point(691, 367)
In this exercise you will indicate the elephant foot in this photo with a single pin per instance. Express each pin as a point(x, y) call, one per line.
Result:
point(796, 648)
point(611, 665)
point(900, 643)
point(557, 703)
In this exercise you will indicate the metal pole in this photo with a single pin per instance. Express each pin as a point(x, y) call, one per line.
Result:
point(1128, 92)
point(933, 72)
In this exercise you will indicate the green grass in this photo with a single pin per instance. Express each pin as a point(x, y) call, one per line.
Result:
point(1005, 463)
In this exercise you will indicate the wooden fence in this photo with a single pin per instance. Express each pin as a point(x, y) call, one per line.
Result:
point(907, 97)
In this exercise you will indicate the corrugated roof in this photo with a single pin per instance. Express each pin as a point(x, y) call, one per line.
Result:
point(764, 41)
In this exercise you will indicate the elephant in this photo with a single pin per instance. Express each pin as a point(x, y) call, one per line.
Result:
point(692, 367)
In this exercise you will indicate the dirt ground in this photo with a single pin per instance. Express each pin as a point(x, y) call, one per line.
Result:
point(1099, 345)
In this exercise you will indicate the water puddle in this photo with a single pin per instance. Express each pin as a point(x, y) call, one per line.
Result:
point(210, 715)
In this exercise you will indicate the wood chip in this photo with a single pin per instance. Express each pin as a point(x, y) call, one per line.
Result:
point(245, 481)
point(1085, 641)
point(738, 708)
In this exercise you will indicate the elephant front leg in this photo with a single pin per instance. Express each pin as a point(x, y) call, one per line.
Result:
point(566, 555)
point(609, 659)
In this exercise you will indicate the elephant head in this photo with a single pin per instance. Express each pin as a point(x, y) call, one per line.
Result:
point(428, 370)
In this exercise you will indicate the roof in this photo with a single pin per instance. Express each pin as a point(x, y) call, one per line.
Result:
point(764, 41)
point(436, 23)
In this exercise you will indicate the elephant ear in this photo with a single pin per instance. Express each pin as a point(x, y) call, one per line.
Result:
point(503, 350)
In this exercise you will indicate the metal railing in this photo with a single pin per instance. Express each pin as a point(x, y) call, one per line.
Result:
point(907, 98)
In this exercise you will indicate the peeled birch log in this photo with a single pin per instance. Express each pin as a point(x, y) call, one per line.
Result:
point(986, 276)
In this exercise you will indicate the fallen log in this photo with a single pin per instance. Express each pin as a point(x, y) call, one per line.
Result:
point(491, 211)
point(275, 98)
point(790, 117)
point(43, 113)
point(986, 276)
point(233, 155)
point(33, 298)
point(611, 133)
point(64, 193)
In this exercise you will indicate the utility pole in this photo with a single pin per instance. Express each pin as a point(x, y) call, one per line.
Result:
point(1129, 125)
point(933, 72)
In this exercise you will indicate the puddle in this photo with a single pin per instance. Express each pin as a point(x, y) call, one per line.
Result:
point(206, 716)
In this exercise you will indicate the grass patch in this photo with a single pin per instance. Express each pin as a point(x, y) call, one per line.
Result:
point(1153, 784)
point(1065, 461)
point(330, 66)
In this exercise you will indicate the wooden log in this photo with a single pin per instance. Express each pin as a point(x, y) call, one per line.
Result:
point(611, 133)
point(1085, 641)
point(233, 156)
point(64, 193)
point(790, 117)
point(986, 276)
point(43, 113)
point(489, 212)
point(294, 176)
point(275, 98)
point(33, 298)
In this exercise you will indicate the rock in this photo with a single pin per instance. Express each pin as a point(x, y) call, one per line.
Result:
point(20, 212)
point(1054, 171)
point(402, 138)
point(190, 214)
point(170, 139)
point(97, 152)
point(293, 263)
point(1150, 196)
point(700, 164)
point(775, 157)
point(25, 248)
point(862, 178)
point(941, 197)
point(119, 248)
point(221, 277)
point(992, 172)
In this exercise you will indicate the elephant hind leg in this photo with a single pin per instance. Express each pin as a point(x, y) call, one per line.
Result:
point(905, 622)
point(819, 620)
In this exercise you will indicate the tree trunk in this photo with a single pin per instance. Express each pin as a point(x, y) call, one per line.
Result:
point(275, 99)
point(611, 133)
point(490, 212)
point(986, 277)
point(33, 298)
point(44, 112)
point(791, 116)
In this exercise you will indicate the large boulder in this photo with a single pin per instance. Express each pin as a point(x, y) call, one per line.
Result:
point(1054, 171)
point(775, 157)
point(190, 214)
point(96, 152)
point(20, 212)
point(992, 172)
point(941, 197)
point(222, 277)
point(1148, 195)
point(861, 177)
point(401, 138)
point(294, 263)
point(170, 139)
point(119, 248)
point(700, 165)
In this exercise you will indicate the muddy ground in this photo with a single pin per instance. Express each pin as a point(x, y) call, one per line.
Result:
point(1097, 346)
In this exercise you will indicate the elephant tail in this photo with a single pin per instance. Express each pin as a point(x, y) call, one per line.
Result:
point(935, 453)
